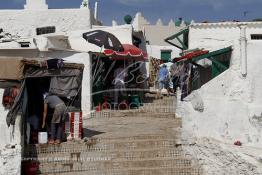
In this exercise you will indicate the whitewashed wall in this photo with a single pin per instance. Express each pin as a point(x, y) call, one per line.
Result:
point(155, 51)
point(254, 75)
point(24, 22)
point(122, 32)
point(5, 134)
point(230, 100)
point(10, 143)
point(7, 155)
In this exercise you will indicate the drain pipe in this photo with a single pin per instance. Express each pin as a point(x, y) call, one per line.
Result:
point(243, 49)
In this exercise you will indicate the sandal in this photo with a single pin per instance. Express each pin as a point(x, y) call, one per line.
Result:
point(51, 141)
point(57, 142)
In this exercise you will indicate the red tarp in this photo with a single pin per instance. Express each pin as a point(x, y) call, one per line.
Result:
point(191, 55)
point(130, 52)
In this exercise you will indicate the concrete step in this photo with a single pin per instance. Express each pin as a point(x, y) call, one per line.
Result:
point(105, 155)
point(99, 145)
point(139, 144)
point(137, 171)
point(159, 106)
point(118, 164)
point(152, 112)
point(130, 142)
point(133, 138)
point(161, 100)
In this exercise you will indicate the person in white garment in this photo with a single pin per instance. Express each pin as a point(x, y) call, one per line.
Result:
point(119, 82)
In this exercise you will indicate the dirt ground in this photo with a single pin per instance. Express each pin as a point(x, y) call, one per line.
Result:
point(219, 158)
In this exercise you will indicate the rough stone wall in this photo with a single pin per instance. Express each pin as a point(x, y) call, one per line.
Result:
point(10, 161)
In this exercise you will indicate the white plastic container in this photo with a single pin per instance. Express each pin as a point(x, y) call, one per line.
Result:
point(42, 137)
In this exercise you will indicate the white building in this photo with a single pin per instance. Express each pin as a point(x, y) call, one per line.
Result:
point(66, 42)
point(23, 23)
point(36, 5)
point(232, 101)
point(156, 34)
point(19, 29)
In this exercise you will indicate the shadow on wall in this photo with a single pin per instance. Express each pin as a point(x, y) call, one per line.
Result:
point(202, 74)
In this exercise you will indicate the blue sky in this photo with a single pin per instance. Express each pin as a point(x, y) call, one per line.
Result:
point(199, 10)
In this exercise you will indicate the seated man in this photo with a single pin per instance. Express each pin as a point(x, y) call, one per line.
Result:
point(58, 118)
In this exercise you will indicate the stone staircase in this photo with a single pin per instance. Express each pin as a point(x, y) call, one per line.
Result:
point(130, 142)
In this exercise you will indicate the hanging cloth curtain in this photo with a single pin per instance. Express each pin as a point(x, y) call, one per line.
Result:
point(64, 86)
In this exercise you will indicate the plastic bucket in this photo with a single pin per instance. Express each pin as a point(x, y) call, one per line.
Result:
point(42, 137)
